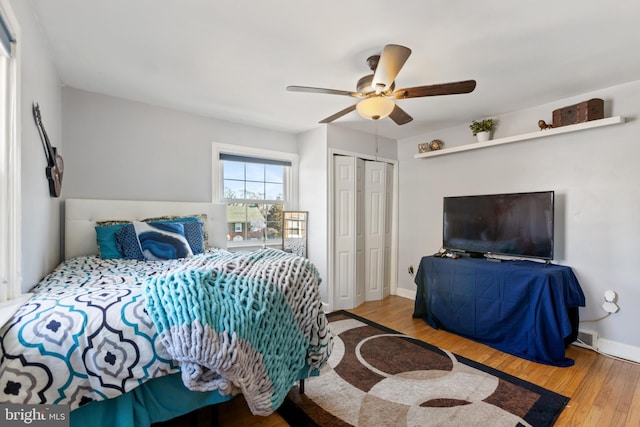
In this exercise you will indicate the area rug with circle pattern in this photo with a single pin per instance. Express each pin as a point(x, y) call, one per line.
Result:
point(380, 377)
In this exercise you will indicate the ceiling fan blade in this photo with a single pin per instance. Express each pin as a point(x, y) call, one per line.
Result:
point(339, 114)
point(320, 90)
point(435, 90)
point(400, 116)
point(391, 61)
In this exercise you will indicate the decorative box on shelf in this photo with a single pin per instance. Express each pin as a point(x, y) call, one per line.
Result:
point(592, 109)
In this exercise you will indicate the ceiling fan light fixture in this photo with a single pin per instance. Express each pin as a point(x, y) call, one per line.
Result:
point(375, 107)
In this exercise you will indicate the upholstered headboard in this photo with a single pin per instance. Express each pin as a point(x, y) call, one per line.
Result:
point(81, 216)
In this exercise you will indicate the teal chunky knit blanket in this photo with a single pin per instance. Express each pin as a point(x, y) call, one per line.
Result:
point(248, 322)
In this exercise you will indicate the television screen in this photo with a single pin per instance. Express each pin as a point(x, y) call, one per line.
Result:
point(517, 224)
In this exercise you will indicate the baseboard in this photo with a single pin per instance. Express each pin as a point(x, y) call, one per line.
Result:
point(406, 293)
point(616, 349)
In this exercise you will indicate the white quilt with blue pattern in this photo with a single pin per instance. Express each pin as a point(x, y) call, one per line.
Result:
point(86, 333)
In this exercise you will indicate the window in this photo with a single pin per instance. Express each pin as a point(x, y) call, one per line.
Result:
point(10, 287)
point(254, 190)
point(256, 187)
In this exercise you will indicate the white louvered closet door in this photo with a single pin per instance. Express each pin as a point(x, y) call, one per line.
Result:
point(348, 259)
point(374, 223)
point(362, 235)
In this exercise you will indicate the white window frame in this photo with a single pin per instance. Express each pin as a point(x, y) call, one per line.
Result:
point(291, 178)
point(11, 295)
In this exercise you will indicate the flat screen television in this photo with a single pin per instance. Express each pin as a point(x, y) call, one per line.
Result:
point(515, 224)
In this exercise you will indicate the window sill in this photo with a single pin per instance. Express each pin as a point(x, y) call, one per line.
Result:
point(9, 308)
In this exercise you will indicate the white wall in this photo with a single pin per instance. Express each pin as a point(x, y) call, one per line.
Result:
point(595, 175)
point(312, 150)
point(361, 143)
point(120, 149)
point(40, 212)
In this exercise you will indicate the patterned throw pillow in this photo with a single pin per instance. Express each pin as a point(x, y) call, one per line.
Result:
point(162, 241)
point(194, 232)
point(127, 243)
point(127, 240)
point(202, 218)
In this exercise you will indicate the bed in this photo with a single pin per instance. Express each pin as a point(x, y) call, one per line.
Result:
point(130, 342)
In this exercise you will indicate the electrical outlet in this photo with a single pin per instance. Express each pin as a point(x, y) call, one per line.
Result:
point(610, 299)
point(610, 307)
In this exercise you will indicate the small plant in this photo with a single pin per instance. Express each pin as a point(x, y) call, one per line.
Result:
point(478, 126)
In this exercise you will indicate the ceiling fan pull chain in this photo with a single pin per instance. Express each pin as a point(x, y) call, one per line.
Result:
point(376, 137)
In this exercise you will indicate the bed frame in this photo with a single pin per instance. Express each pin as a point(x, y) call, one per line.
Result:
point(81, 216)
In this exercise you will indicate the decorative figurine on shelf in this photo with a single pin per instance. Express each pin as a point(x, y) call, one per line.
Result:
point(435, 145)
point(543, 125)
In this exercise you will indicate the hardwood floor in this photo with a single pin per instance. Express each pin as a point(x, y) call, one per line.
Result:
point(603, 391)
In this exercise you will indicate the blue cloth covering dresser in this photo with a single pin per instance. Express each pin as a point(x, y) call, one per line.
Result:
point(525, 308)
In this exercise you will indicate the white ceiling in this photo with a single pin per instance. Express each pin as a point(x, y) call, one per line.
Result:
point(233, 59)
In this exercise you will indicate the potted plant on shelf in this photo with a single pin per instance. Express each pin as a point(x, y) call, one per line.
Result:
point(482, 129)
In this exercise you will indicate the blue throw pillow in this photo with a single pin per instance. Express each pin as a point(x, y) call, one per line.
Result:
point(127, 240)
point(193, 231)
point(201, 218)
point(127, 243)
point(162, 241)
point(107, 245)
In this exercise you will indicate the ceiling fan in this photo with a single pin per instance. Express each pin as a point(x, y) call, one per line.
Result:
point(377, 91)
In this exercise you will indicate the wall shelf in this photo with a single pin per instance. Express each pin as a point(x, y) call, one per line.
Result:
point(523, 137)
